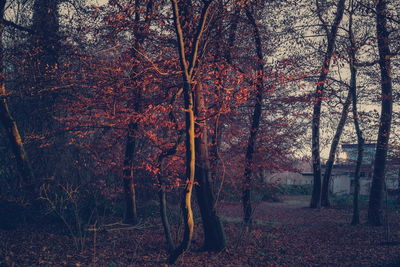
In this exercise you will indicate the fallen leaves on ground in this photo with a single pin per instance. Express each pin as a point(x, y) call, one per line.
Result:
point(282, 236)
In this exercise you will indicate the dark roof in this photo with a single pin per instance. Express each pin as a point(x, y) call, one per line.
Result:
point(355, 145)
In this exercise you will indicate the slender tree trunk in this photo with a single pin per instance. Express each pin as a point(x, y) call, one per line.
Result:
point(316, 159)
point(398, 188)
point(187, 67)
point(130, 215)
point(162, 183)
point(11, 128)
point(163, 203)
point(255, 123)
point(331, 159)
point(186, 203)
point(360, 139)
point(214, 237)
point(375, 209)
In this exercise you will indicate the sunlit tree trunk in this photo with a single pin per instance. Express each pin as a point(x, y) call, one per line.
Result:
point(316, 158)
point(214, 237)
point(331, 159)
point(187, 66)
point(375, 208)
point(10, 126)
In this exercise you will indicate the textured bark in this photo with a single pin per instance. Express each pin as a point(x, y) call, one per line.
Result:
point(187, 68)
point(316, 158)
point(11, 128)
point(214, 237)
point(375, 208)
point(255, 123)
point(332, 152)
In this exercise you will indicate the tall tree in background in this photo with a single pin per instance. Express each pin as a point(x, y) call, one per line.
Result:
point(255, 119)
point(141, 29)
point(352, 52)
point(45, 53)
point(45, 41)
point(375, 208)
point(316, 159)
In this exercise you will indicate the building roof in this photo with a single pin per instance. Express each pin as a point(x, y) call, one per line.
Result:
point(355, 145)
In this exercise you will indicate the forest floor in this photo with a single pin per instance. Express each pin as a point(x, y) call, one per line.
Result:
point(284, 234)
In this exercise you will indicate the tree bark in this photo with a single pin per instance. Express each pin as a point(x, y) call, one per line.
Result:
point(331, 159)
point(130, 216)
point(375, 208)
point(11, 128)
point(316, 159)
point(187, 68)
point(214, 237)
point(360, 139)
point(255, 123)
point(46, 40)
point(163, 201)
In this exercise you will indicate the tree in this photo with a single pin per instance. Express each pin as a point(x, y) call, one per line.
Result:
point(10, 125)
point(143, 25)
point(214, 237)
point(375, 207)
point(332, 151)
point(316, 159)
point(188, 64)
point(255, 120)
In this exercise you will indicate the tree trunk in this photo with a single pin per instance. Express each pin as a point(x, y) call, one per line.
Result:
point(398, 188)
point(186, 203)
point(375, 209)
point(187, 67)
point(45, 47)
point(163, 203)
point(360, 139)
point(316, 159)
point(214, 237)
point(255, 123)
point(331, 159)
point(45, 40)
point(11, 128)
point(130, 215)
